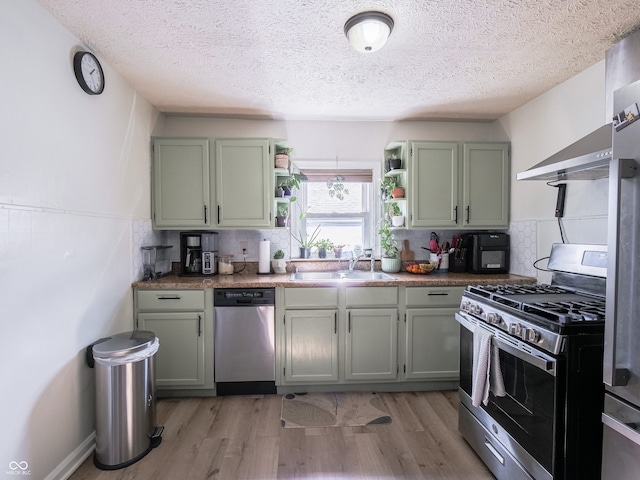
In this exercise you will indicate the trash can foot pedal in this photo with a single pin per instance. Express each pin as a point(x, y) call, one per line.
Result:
point(156, 436)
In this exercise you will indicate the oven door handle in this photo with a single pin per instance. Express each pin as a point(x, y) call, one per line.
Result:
point(545, 364)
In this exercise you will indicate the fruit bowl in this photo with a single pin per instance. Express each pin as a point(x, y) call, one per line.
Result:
point(421, 268)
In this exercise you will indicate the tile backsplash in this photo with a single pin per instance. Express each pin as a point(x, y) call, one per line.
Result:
point(523, 243)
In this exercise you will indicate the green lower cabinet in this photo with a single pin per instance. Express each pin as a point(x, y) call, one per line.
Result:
point(311, 346)
point(371, 344)
point(432, 344)
point(180, 361)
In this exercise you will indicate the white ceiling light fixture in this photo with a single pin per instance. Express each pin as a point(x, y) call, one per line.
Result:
point(368, 31)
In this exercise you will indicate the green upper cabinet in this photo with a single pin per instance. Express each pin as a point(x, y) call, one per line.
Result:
point(459, 185)
point(434, 184)
point(243, 183)
point(485, 185)
point(181, 183)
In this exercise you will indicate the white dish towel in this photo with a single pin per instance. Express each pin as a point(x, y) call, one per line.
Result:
point(486, 368)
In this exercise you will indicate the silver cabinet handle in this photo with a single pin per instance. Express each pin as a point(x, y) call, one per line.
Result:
point(168, 297)
point(493, 450)
point(621, 428)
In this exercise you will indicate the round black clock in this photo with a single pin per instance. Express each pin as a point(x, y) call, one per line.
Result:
point(88, 73)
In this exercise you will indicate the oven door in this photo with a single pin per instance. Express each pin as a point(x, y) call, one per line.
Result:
point(527, 411)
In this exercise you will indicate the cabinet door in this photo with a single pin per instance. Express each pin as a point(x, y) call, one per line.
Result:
point(432, 344)
point(180, 358)
point(434, 184)
point(311, 346)
point(371, 344)
point(485, 191)
point(243, 183)
point(181, 190)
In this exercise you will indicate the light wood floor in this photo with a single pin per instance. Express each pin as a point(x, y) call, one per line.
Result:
point(240, 437)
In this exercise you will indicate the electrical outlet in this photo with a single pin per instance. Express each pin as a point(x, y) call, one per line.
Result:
point(244, 247)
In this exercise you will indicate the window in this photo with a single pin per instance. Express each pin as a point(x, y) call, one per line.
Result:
point(347, 222)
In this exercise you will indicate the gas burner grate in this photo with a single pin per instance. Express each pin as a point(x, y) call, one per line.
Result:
point(489, 291)
point(569, 312)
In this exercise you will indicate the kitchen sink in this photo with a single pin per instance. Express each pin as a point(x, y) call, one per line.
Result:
point(341, 275)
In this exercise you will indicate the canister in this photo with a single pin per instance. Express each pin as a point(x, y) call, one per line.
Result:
point(225, 264)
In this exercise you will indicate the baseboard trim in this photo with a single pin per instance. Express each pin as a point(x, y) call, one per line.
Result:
point(73, 461)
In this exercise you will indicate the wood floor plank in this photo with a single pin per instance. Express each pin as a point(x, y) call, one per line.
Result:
point(240, 437)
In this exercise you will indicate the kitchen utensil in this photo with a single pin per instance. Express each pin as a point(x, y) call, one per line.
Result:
point(406, 255)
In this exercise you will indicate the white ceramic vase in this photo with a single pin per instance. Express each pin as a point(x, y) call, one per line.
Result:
point(390, 265)
point(397, 221)
point(279, 265)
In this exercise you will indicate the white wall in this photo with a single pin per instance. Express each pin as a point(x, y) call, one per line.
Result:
point(541, 128)
point(74, 174)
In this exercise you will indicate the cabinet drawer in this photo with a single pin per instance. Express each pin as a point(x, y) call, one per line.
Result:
point(311, 297)
point(433, 296)
point(371, 296)
point(170, 300)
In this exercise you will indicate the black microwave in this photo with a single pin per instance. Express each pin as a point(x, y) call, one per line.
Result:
point(487, 252)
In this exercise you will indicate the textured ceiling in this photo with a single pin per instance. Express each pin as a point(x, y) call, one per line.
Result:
point(290, 59)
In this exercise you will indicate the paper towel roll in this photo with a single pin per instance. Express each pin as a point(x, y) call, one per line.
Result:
point(264, 254)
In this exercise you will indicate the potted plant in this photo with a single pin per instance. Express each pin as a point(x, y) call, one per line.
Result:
point(323, 245)
point(287, 184)
point(282, 216)
point(278, 263)
point(337, 250)
point(387, 184)
point(306, 241)
point(393, 162)
point(390, 261)
point(282, 157)
point(397, 218)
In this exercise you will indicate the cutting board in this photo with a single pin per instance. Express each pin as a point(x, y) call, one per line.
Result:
point(407, 255)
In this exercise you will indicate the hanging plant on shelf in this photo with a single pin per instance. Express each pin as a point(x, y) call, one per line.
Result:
point(337, 188)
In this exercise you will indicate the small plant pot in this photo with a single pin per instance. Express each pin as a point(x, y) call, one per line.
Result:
point(390, 265)
point(305, 252)
point(394, 163)
point(282, 160)
point(279, 192)
point(281, 221)
point(337, 252)
point(397, 221)
point(279, 265)
point(398, 192)
point(322, 253)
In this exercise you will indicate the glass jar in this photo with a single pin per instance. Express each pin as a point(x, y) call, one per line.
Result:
point(225, 265)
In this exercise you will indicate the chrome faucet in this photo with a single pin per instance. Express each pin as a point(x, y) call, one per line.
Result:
point(373, 262)
point(354, 260)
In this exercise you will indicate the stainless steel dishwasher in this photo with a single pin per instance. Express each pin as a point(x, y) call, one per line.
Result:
point(244, 341)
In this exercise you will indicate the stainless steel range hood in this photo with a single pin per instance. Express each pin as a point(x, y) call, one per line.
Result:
point(586, 159)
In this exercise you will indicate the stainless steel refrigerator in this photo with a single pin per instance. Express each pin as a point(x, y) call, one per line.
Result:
point(621, 369)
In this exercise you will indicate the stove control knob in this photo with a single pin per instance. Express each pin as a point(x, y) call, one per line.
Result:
point(515, 329)
point(465, 305)
point(475, 309)
point(493, 318)
point(532, 335)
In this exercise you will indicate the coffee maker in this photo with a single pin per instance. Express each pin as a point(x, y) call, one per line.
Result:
point(198, 253)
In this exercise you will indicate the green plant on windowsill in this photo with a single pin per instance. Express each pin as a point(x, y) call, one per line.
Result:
point(325, 244)
point(306, 241)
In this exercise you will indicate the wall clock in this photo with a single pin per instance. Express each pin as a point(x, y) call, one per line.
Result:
point(88, 73)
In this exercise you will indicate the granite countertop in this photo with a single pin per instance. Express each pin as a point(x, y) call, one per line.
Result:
point(253, 280)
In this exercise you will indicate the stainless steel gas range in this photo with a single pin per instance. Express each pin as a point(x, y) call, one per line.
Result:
point(531, 370)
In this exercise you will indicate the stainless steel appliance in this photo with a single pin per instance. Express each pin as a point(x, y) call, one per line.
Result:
point(487, 252)
point(621, 417)
point(244, 341)
point(198, 253)
point(542, 414)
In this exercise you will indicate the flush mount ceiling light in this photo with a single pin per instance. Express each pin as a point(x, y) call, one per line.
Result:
point(368, 31)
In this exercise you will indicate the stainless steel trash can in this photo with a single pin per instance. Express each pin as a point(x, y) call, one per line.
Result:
point(125, 398)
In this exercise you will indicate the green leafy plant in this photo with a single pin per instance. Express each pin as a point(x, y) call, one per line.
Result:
point(388, 184)
point(324, 244)
point(283, 150)
point(278, 255)
point(292, 182)
point(283, 210)
point(394, 210)
point(388, 242)
point(306, 241)
point(337, 188)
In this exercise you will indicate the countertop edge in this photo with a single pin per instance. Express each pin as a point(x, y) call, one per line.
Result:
point(270, 281)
